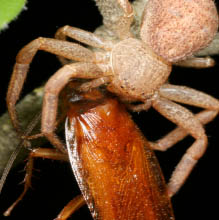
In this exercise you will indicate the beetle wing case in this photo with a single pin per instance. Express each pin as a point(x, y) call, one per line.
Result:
point(116, 170)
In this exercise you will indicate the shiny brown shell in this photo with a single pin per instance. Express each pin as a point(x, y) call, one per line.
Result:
point(115, 168)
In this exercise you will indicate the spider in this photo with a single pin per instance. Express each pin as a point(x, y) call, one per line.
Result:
point(134, 69)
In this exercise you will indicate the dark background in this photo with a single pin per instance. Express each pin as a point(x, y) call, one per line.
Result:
point(54, 185)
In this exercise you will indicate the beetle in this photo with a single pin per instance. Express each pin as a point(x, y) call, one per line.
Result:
point(114, 165)
point(114, 173)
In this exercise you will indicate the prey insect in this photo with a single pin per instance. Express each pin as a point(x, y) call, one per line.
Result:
point(113, 163)
point(115, 168)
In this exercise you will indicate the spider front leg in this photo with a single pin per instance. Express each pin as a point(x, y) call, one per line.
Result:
point(119, 24)
point(185, 119)
point(52, 90)
point(81, 36)
point(66, 49)
point(85, 37)
point(179, 133)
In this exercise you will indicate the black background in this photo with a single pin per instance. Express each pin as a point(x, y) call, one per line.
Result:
point(54, 184)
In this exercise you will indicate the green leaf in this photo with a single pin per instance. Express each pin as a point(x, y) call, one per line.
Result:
point(9, 9)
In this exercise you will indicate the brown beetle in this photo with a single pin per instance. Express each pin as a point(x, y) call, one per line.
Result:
point(113, 163)
point(115, 168)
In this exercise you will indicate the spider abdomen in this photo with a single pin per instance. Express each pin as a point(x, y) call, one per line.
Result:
point(176, 29)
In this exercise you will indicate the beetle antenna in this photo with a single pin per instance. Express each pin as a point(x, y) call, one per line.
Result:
point(13, 156)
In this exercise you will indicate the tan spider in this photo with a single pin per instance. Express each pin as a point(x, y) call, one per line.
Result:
point(131, 69)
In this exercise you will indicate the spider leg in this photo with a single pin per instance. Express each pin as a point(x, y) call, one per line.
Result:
point(83, 36)
point(39, 152)
point(179, 133)
point(197, 62)
point(189, 96)
point(71, 207)
point(117, 16)
point(185, 119)
point(123, 25)
point(66, 49)
point(52, 90)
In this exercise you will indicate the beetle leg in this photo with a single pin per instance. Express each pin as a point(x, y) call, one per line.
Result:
point(39, 152)
point(31, 137)
point(66, 49)
point(179, 133)
point(52, 90)
point(196, 62)
point(189, 96)
point(71, 207)
point(185, 119)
